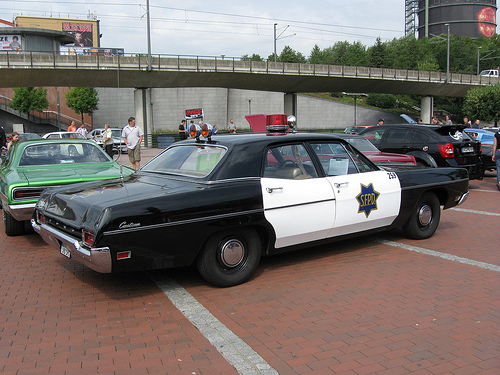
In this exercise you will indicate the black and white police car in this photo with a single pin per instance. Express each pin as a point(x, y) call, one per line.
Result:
point(222, 202)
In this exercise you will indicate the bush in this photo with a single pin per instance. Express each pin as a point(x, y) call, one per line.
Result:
point(381, 100)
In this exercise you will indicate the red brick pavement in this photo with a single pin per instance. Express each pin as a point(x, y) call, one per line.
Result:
point(354, 307)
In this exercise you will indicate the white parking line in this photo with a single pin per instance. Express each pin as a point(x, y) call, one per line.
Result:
point(475, 211)
point(453, 258)
point(241, 356)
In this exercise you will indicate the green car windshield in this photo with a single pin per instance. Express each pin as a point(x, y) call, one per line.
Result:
point(62, 153)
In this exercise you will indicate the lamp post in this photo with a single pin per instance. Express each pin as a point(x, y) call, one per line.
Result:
point(448, 56)
point(355, 95)
point(478, 59)
point(275, 41)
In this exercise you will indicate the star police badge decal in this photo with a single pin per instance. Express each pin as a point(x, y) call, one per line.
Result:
point(367, 199)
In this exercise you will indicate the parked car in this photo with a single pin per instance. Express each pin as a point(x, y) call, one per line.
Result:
point(63, 135)
point(222, 202)
point(486, 138)
point(431, 145)
point(31, 166)
point(118, 142)
point(355, 129)
point(380, 158)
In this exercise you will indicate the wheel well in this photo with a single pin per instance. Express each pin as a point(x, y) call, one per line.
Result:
point(441, 194)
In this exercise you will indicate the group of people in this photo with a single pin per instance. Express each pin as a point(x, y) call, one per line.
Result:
point(184, 128)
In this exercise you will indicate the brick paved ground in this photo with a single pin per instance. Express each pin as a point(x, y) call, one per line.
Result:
point(354, 307)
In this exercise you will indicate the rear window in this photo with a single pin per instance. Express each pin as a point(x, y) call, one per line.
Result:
point(187, 160)
point(453, 134)
point(62, 153)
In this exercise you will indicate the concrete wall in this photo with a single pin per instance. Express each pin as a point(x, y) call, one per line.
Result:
point(221, 104)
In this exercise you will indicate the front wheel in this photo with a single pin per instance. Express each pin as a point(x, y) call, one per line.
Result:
point(12, 226)
point(424, 219)
point(230, 258)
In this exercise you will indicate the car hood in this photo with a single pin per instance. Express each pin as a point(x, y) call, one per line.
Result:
point(55, 175)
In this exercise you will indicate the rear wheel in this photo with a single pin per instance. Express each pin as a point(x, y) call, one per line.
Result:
point(424, 219)
point(230, 258)
point(12, 226)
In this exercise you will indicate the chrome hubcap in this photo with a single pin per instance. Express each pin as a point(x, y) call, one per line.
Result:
point(425, 215)
point(232, 253)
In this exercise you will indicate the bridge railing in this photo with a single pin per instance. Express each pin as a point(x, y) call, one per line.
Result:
point(47, 60)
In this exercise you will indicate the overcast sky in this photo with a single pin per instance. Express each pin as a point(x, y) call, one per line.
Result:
point(230, 28)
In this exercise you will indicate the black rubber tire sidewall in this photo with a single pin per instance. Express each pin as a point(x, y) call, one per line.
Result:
point(212, 270)
point(412, 227)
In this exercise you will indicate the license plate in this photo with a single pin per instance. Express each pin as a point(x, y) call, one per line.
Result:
point(467, 149)
point(65, 251)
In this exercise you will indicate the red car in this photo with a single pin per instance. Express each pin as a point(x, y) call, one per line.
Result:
point(375, 155)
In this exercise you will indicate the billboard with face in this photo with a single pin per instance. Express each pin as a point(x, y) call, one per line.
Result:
point(466, 18)
point(10, 43)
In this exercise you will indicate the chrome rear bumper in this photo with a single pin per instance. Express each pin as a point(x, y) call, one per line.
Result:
point(98, 259)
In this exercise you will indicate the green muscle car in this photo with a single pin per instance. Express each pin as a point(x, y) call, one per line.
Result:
point(31, 166)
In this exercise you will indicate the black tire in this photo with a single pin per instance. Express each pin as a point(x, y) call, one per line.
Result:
point(12, 226)
point(424, 219)
point(230, 258)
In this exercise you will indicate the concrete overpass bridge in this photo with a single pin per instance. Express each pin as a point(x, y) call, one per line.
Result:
point(30, 69)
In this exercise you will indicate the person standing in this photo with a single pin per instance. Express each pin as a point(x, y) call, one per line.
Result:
point(380, 121)
point(133, 135)
point(107, 140)
point(72, 127)
point(496, 155)
point(182, 130)
point(232, 127)
point(82, 130)
point(448, 120)
point(467, 122)
point(476, 124)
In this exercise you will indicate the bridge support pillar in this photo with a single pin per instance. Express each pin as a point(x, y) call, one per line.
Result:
point(143, 111)
point(290, 104)
point(426, 109)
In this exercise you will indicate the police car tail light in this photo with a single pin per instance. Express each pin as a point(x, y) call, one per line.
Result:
point(277, 123)
point(40, 218)
point(447, 150)
point(88, 237)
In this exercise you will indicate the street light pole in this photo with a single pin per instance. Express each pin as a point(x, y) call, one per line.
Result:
point(275, 41)
point(448, 56)
point(149, 35)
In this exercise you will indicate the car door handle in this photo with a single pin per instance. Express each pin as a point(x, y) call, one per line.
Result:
point(271, 190)
point(339, 184)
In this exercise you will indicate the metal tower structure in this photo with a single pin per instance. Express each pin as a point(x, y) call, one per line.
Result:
point(411, 17)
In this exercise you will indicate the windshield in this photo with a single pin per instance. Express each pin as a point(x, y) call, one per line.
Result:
point(188, 160)
point(117, 133)
point(62, 153)
point(362, 144)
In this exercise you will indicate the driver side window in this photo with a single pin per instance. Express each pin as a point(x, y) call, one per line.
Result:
point(289, 162)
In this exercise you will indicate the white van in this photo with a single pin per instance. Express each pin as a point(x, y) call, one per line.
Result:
point(489, 72)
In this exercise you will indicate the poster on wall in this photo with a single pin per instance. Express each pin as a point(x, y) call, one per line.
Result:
point(81, 31)
point(11, 42)
point(192, 114)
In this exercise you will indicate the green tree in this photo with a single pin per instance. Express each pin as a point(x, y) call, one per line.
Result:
point(82, 100)
point(289, 55)
point(254, 57)
point(377, 54)
point(483, 103)
point(27, 99)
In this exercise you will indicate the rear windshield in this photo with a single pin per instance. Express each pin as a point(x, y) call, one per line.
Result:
point(62, 153)
point(187, 160)
point(453, 133)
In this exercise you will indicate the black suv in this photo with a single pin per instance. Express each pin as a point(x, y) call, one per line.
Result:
point(431, 145)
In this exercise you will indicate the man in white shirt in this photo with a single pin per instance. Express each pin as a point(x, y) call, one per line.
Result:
point(132, 135)
point(82, 130)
